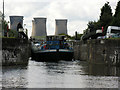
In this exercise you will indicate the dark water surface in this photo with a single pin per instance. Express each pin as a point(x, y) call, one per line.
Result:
point(62, 74)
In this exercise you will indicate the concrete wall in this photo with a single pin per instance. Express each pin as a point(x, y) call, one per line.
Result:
point(98, 51)
point(15, 53)
point(61, 26)
point(39, 27)
point(14, 20)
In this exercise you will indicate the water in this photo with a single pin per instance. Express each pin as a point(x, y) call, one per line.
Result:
point(62, 74)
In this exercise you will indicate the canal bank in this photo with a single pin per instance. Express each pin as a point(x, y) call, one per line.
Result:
point(15, 51)
point(102, 51)
point(61, 74)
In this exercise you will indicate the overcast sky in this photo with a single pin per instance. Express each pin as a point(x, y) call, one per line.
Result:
point(78, 12)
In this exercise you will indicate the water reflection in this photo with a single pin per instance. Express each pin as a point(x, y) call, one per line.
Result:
point(14, 76)
point(62, 74)
point(103, 70)
point(0, 78)
point(67, 74)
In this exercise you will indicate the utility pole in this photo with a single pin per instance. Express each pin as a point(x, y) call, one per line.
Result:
point(76, 35)
point(3, 18)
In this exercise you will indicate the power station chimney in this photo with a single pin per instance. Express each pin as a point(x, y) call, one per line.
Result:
point(61, 26)
point(39, 27)
point(14, 21)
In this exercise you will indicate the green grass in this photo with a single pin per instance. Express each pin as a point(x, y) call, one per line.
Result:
point(6, 37)
point(114, 38)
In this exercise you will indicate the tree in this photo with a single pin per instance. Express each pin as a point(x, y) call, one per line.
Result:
point(106, 16)
point(104, 21)
point(5, 27)
point(117, 10)
point(68, 36)
point(116, 19)
point(78, 37)
point(106, 9)
point(91, 25)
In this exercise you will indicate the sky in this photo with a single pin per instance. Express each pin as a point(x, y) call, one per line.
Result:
point(77, 12)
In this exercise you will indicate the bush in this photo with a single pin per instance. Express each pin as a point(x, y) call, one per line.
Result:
point(13, 33)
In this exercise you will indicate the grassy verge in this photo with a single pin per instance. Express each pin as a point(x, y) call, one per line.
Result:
point(114, 38)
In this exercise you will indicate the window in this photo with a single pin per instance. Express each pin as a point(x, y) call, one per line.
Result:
point(115, 31)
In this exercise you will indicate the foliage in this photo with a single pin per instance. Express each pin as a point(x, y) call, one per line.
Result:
point(12, 33)
point(116, 18)
point(93, 25)
point(114, 38)
point(117, 10)
point(7, 37)
point(4, 27)
point(39, 37)
point(78, 37)
point(105, 20)
point(116, 21)
point(106, 16)
point(106, 9)
point(5, 23)
point(68, 36)
point(72, 37)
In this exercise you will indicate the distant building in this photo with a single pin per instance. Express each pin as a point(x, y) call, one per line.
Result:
point(39, 27)
point(61, 26)
point(14, 21)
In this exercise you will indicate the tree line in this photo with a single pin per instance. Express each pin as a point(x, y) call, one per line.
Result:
point(107, 18)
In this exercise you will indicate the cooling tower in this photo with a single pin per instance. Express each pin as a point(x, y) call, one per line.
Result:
point(39, 27)
point(33, 28)
point(14, 20)
point(61, 26)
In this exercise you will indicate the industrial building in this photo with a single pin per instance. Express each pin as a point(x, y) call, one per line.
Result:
point(39, 27)
point(14, 21)
point(61, 26)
